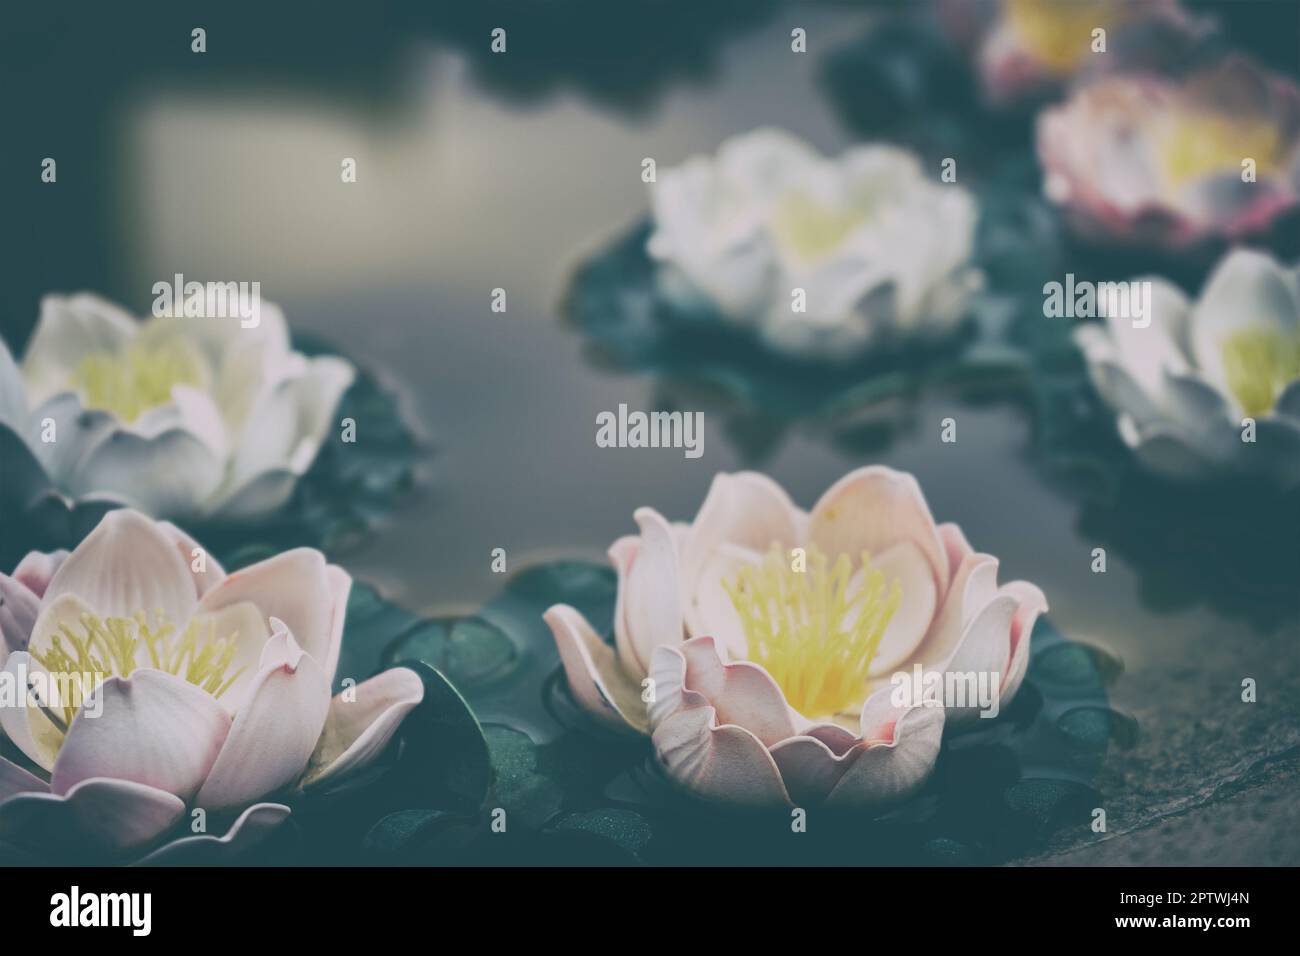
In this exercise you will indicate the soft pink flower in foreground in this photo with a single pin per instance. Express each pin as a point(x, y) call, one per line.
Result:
point(1146, 160)
point(771, 685)
point(214, 689)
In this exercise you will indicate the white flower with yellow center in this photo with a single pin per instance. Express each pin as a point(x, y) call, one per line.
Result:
point(758, 644)
point(1174, 163)
point(879, 248)
point(1182, 387)
point(146, 690)
point(179, 417)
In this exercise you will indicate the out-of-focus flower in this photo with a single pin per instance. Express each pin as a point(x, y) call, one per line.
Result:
point(1144, 160)
point(179, 417)
point(1182, 386)
point(772, 671)
point(1027, 48)
point(157, 689)
point(880, 250)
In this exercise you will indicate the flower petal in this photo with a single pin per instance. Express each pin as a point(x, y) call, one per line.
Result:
point(128, 564)
point(709, 608)
point(295, 586)
point(276, 729)
point(104, 814)
point(598, 683)
point(14, 780)
point(717, 762)
point(168, 474)
point(810, 769)
point(885, 773)
point(982, 657)
point(905, 564)
point(38, 741)
point(652, 612)
point(154, 728)
point(745, 509)
point(210, 572)
point(973, 586)
point(37, 568)
point(19, 608)
point(252, 827)
point(741, 692)
point(872, 509)
point(1030, 602)
point(69, 328)
point(357, 731)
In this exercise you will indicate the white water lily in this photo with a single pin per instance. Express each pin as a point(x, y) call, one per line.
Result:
point(880, 249)
point(212, 691)
point(178, 417)
point(1183, 386)
point(764, 683)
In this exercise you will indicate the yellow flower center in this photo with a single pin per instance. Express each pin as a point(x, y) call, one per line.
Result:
point(810, 229)
point(1259, 363)
point(133, 381)
point(116, 646)
point(1060, 33)
point(1197, 145)
point(814, 626)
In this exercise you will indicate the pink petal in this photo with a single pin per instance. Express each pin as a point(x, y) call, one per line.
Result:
point(14, 780)
point(599, 685)
point(905, 564)
point(872, 509)
point(37, 568)
point(126, 565)
point(622, 553)
point(887, 772)
point(295, 586)
point(211, 575)
point(358, 730)
point(717, 762)
point(19, 608)
point(25, 726)
point(1031, 602)
point(709, 608)
point(984, 649)
point(746, 509)
point(742, 693)
point(810, 769)
point(276, 729)
point(652, 607)
point(155, 729)
point(955, 545)
point(116, 815)
point(973, 586)
point(252, 827)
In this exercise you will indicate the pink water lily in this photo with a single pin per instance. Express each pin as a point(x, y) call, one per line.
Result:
point(1147, 160)
point(758, 645)
point(209, 691)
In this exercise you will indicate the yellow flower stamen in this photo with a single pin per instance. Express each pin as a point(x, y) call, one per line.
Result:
point(116, 646)
point(815, 630)
point(139, 378)
point(1200, 145)
point(1259, 363)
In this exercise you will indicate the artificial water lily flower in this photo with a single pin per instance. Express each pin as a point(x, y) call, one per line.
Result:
point(180, 417)
point(774, 682)
point(201, 690)
point(1147, 160)
point(1182, 386)
point(1025, 48)
point(879, 249)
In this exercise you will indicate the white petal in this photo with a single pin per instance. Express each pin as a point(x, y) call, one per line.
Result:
point(357, 731)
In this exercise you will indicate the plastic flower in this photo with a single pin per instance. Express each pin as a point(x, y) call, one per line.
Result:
point(1149, 160)
point(878, 248)
point(179, 417)
point(1025, 48)
point(201, 690)
point(1182, 386)
point(771, 669)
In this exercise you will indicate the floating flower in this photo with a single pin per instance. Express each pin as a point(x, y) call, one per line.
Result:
point(181, 417)
point(1026, 48)
point(1183, 385)
point(822, 257)
point(157, 690)
point(760, 645)
point(1148, 160)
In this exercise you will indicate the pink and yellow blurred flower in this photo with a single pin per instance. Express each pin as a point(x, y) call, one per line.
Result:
point(1147, 160)
point(757, 644)
point(151, 683)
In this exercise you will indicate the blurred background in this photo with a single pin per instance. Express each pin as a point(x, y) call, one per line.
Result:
point(477, 171)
